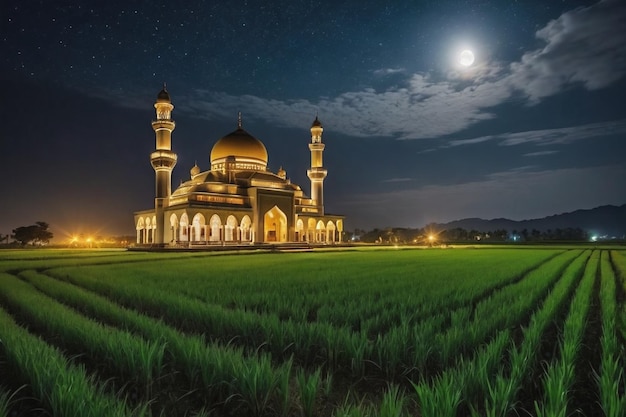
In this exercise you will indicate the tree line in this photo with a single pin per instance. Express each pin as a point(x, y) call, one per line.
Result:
point(430, 235)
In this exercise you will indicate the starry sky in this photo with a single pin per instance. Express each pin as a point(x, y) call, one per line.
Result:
point(535, 126)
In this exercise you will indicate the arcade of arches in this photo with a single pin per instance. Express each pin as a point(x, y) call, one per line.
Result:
point(201, 229)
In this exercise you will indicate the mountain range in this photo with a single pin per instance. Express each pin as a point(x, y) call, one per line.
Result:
point(608, 221)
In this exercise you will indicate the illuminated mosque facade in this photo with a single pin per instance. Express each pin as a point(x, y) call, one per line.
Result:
point(238, 201)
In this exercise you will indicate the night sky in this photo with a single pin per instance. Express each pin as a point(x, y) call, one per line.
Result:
point(535, 126)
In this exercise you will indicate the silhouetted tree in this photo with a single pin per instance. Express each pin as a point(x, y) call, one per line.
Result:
point(37, 233)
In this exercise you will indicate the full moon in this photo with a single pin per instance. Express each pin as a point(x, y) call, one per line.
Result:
point(466, 58)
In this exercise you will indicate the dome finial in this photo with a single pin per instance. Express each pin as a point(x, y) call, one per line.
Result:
point(164, 86)
point(239, 120)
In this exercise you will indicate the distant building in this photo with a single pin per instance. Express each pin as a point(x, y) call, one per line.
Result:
point(238, 200)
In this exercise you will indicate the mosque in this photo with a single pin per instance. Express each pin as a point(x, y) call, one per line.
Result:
point(238, 201)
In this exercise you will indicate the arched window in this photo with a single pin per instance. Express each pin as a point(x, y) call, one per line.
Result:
point(215, 225)
point(310, 230)
point(230, 229)
point(320, 232)
point(197, 228)
point(140, 231)
point(173, 227)
point(184, 228)
point(148, 231)
point(300, 230)
point(330, 231)
point(246, 229)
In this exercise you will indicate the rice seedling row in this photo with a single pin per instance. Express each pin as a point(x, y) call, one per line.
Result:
point(314, 343)
point(618, 261)
point(129, 357)
point(471, 381)
point(610, 376)
point(366, 291)
point(558, 379)
point(465, 326)
point(224, 372)
point(64, 388)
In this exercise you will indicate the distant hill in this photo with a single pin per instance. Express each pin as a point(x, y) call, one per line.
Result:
point(604, 220)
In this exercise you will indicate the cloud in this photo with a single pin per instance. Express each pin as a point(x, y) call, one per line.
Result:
point(516, 194)
point(583, 47)
point(540, 153)
point(398, 180)
point(544, 137)
point(388, 71)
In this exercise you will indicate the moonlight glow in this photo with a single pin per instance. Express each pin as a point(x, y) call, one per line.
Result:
point(466, 58)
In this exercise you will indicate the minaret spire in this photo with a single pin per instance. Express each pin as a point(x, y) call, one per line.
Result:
point(163, 160)
point(317, 173)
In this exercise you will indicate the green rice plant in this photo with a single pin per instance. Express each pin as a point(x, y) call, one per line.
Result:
point(309, 386)
point(349, 409)
point(327, 384)
point(441, 399)
point(7, 399)
point(255, 385)
point(393, 402)
point(63, 387)
point(284, 388)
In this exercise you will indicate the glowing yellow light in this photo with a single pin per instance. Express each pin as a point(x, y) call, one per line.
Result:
point(431, 237)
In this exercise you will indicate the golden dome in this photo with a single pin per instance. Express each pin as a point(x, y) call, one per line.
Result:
point(241, 145)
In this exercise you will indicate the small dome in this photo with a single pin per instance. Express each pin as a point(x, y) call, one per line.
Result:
point(164, 96)
point(195, 170)
point(242, 146)
point(316, 123)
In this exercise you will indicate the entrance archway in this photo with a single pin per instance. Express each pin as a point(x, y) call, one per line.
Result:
point(275, 226)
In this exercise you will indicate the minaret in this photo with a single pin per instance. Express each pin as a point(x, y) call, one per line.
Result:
point(317, 173)
point(163, 159)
